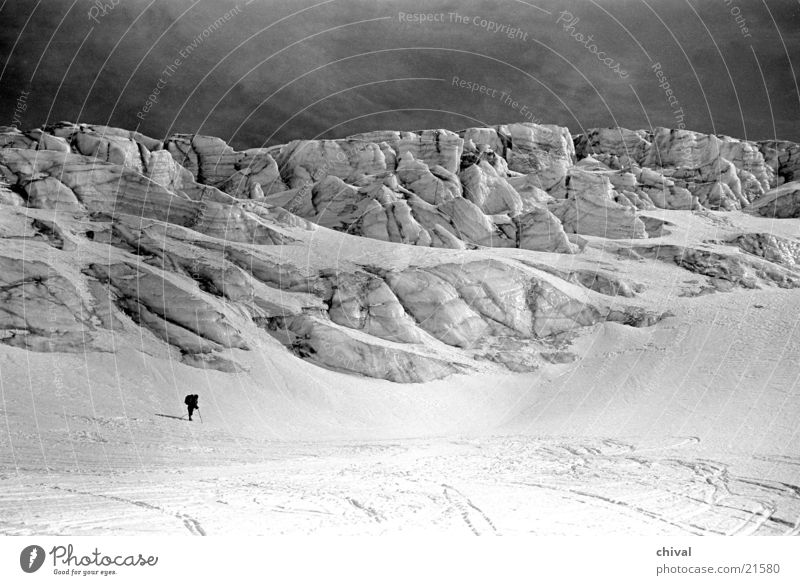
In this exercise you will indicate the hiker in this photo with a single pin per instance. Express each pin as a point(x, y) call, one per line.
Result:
point(191, 403)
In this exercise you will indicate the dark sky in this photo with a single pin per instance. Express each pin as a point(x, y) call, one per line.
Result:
point(279, 70)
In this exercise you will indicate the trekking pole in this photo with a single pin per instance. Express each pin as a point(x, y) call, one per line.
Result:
point(200, 415)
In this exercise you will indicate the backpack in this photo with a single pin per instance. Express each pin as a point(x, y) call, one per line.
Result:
point(189, 399)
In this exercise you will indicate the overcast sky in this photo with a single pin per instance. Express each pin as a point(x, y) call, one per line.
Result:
point(279, 70)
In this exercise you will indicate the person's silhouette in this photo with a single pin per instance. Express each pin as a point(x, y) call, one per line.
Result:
point(191, 403)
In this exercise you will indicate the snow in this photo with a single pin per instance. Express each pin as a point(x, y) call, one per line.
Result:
point(686, 427)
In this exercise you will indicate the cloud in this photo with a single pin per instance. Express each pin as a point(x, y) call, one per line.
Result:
point(340, 67)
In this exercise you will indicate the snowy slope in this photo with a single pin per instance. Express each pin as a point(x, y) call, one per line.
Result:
point(660, 398)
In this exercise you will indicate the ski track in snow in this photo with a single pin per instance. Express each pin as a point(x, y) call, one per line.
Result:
point(485, 486)
point(192, 525)
point(370, 512)
point(477, 523)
